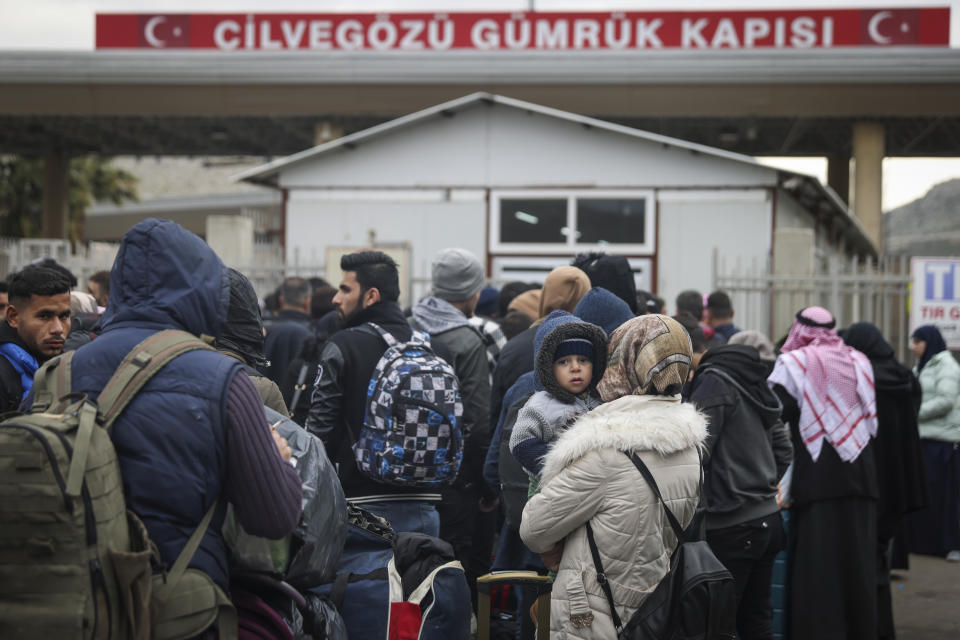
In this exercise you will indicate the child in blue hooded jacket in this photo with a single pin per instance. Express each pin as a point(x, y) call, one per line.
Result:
point(569, 361)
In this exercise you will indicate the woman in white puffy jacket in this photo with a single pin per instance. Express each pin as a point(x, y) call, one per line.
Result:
point(587, 477)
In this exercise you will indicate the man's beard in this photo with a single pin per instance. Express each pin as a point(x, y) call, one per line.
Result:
point(344, 320)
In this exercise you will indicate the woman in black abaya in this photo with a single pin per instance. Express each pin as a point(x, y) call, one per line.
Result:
point(901, 483)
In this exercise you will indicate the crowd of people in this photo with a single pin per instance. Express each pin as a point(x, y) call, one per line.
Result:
point(557, 382)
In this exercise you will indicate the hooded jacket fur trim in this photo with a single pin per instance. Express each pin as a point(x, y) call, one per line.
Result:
point(652, 423)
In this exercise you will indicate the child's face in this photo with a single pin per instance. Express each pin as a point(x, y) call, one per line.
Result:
point(573, 373)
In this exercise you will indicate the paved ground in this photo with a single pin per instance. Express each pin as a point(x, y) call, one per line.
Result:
point(926, 600)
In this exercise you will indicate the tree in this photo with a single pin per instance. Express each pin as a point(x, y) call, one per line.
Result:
point(90, 179)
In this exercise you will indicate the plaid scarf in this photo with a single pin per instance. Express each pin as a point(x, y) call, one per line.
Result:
point(832, 383)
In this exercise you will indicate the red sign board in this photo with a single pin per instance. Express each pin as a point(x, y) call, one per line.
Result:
point(528, 31)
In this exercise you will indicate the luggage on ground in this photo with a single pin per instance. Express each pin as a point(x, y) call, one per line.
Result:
point(396, 586)
point(542, 584)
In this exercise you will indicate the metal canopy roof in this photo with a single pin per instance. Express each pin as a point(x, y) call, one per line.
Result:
point(889, 65)
point(758, 102)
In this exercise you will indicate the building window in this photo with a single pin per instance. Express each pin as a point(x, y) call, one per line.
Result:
point(611, 220)
point(533, 220)
point(551, 221)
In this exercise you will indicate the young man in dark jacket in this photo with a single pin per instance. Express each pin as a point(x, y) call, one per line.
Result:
point(466, 511)
point(747, 452)
point(368, 293)
point(36, 327)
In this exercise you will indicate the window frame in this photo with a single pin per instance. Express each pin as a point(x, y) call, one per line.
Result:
point(648, 247)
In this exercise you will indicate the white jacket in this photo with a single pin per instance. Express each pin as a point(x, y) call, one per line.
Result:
point(587, 477)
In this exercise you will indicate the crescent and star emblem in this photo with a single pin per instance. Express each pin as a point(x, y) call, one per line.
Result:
point(873, 27)
point(150, 32)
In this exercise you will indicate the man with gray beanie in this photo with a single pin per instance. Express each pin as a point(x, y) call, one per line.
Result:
point(457, 278)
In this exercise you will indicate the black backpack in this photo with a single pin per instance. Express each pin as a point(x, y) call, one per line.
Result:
point(696, 599)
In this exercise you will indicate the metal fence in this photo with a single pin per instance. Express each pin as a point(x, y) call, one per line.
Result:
point(266, 275)
point(853, 290)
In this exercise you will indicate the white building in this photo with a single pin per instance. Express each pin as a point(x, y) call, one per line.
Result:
point(526, 187)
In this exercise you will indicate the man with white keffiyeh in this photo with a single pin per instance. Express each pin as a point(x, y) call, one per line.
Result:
point(827, 390)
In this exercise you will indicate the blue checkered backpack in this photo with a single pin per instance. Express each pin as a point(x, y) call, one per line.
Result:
point(411, 434)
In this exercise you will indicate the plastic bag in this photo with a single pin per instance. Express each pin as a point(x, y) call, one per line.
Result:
point(314, 547)
point(322, 621)
point(319, 537)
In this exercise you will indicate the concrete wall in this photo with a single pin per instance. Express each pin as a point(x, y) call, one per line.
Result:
point(316, 220)
point(693, 224)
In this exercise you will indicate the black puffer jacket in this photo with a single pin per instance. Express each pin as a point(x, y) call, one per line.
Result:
point(748, 447)
point(337, 404)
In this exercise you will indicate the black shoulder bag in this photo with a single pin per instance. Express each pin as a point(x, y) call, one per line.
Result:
point(696, 599)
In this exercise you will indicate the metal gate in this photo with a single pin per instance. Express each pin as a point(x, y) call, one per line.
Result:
point(853, 290)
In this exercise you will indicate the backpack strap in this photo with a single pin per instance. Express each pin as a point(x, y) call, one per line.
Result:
point(386, 335)
point(51, 382)
point(136, 369)
point(417, 336)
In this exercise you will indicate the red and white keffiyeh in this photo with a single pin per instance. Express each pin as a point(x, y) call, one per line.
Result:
point(832, 383)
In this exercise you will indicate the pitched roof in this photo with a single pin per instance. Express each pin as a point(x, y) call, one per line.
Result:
point(807, 189)
point(264, 173)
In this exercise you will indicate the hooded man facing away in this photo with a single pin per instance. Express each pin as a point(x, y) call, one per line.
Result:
point(748, 452)
point(196, 434)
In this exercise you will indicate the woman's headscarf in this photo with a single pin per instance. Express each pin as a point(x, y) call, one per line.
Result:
point(649, 354)
point(832, 383)
point(935, 344)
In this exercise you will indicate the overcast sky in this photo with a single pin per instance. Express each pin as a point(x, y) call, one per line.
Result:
point(69, 24)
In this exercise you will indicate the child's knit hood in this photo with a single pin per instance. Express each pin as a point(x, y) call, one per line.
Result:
point(557, 327)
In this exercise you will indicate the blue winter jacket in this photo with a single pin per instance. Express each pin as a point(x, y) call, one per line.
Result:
point(171, 438)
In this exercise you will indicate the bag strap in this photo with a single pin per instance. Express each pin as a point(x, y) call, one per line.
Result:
point(51, 382)
point(645, 472)
point(602, 579)
point(386, 335)
point(136, 369)
point(186, 555)
point(298, 387)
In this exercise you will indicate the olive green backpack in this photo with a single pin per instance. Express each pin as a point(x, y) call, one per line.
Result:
point(74, 561)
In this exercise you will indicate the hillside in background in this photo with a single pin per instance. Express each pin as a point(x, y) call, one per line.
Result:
point(928, 226)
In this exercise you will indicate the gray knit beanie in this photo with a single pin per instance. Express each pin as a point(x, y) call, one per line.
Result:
point(457, 275)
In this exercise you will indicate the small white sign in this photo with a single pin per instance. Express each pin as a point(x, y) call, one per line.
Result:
point(935, 296)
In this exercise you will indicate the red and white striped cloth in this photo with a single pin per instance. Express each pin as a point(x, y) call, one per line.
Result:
point(832, 383)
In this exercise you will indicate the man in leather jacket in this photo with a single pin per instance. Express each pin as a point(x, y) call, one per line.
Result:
point(368, 293)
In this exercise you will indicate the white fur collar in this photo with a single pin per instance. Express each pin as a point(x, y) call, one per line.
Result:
point(631, 423)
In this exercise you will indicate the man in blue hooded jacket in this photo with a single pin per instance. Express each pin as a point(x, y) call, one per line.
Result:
point(196, 434)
